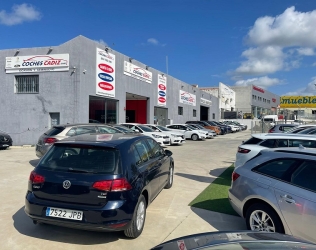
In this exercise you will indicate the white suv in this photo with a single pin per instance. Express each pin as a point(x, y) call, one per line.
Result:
point(159, 137)
point(188, 131)
point(249, 149)
point(176, 138)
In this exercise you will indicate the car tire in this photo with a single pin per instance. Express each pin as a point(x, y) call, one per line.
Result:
point(194, 137)
point(272, 219)
point(138, 221)
point(170, 177)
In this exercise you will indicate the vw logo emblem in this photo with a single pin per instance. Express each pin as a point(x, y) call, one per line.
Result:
point(66, 184)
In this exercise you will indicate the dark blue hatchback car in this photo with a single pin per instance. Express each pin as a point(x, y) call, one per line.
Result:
point(99, 182)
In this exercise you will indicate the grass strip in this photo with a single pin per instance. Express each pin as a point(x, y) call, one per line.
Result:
point(215, 196)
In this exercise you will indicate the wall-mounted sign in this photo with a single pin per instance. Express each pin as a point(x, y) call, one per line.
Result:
point(162, 90)
point(105, 73)
point(273, 100)
point(227, 97)
point(298, 102)
point(258, 89)
point(187, 98)
point(137, 72)
point(205, 102)
point(37, 63)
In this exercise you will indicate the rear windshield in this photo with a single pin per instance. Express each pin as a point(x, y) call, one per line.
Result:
point(54, 131)
point(253, 140)
point(81, 159)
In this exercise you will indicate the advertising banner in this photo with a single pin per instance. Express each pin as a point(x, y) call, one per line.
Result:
point(162, 90)
point(205, 102)
point(298, 102)
point(137, 72)
point(187, 98)
point(37, 63)
point(105, 73)
point(227, 98)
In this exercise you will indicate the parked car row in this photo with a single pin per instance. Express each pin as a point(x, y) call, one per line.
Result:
point(273, 183)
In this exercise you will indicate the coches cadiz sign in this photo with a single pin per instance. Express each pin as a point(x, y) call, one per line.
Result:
point(137, 72)
point(187, 98)
point(105, 73)
point(162, 90)
point(37, 63)
point(298, 102)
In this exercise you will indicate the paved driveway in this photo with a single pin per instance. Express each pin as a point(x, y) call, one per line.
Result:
point(196, 165)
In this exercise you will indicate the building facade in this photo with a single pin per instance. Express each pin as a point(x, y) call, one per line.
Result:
point(81, 81)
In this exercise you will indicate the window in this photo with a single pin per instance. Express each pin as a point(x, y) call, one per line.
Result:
point(180, 110)
point(85, 130)
point(155, 149)
point(304, 176)
point(142, 150)
point(213, 116)
point(283, 143)
point(253, 140)
point(26, 84)
point(107, 130)
point(268, 143)
point(194, 113)
point(275, 168)
point(137, 158)
point(304, 143)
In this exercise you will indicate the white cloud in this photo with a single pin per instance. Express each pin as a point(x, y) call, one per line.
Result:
point(275, 40)
point(261, 60)
point(154, 41)
point(314, 64)
point(310, 89)
point(101, 41)
point(263, 82)
point(20, 13)
point(291, 28)
point(306, 51)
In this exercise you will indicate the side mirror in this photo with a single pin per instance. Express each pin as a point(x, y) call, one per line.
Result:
point(168, 152)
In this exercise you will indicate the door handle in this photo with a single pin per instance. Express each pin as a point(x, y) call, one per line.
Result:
point(287, 198)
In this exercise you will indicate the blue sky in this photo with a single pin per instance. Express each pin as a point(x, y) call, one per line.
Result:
point(271, 44)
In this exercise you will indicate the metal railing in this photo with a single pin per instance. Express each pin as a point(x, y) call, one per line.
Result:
point(27, 84)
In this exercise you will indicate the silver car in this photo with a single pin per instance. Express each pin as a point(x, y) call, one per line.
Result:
point(60, 132)
point(276, 192)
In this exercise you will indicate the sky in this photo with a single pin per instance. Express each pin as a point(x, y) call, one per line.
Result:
point(268, 43)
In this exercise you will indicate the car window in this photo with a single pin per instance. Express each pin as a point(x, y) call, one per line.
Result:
point(285, 128)
point(304, 176)
point(276, 168)
point(85, 130)
point(270, 143)
point(283, 143)
point(54, 131)
point(137, 158)
point(71, 132)
point(182, 127)
point(172, 127)
point(142, 150)
point(304, 143)
point(107, 130)
point(253, 140)
point(155, 149)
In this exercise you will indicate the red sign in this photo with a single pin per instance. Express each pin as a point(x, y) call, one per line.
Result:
point(162, 99)
point(106, 86)
point(258, 89)
point(162, 87)
point(273, 99)
point(106, 68)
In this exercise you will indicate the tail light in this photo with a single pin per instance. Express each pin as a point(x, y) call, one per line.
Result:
point(36, 178)
point(235, 176)
point(50, 140)
point(113, 185)
point(243, 150)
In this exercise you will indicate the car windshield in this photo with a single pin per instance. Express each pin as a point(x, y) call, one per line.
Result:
point(124, 129)
point(190, 127)
point(163, 128)
point(81, 159)
point(145, 128)
point(199, 126)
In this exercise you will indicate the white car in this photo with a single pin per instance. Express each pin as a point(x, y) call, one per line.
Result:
point(176, 138)
point(234, 128)
point(252, 147)
point(211, 133)
point(162, 139)
point(188, 131)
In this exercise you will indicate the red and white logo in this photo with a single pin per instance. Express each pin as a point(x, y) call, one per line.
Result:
point(106, 86)
point(106, 68)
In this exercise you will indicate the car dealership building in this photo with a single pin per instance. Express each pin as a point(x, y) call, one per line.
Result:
point(83, 80)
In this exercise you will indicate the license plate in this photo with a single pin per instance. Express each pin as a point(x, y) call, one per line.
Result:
point(64, 213)
point(5, 145)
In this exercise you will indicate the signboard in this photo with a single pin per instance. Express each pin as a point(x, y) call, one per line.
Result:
point(162, 90)
point(187, 98)
point(105, 73)
point(137, 72)
point(227, 97)
point(298, 102)
point(205, 102)
point(257, 89)
point(37, 63)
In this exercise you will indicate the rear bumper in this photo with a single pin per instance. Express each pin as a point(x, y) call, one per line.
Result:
point(5, 144)
point(114, 216)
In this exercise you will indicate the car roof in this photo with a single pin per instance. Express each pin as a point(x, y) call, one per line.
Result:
point(78, 124)
point(292, 150)
point(107, 140)
point(265, 136)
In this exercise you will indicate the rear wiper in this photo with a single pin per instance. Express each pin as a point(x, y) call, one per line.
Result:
point(79, 170)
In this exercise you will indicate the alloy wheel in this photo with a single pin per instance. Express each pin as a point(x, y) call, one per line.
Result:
point(140, 216)
point(261, 221)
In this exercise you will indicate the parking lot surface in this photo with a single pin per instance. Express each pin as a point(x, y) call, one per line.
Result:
point(197, 164)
